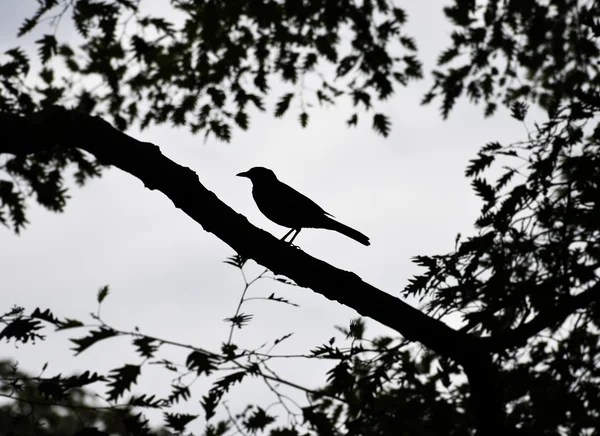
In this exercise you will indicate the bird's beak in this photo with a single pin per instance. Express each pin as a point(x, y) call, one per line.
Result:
point(245, 174)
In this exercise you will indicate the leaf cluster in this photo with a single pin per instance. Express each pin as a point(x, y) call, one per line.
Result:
point(528, 280)
point(508, 51)
point(205, 72)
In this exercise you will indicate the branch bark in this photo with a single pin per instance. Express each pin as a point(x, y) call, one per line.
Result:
point(58, 126)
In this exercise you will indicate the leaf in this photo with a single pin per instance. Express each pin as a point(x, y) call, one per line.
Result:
point(416, 285)
point(48, 47)
point(241, 119)
point(45, 315)
point(178, 421)
point(447, 55)
point(410, 44)
point(158, 23)
point(491, 146)
point(145, 346)
point(167, 364)
point(178, 392)
point(303, 119)
point(210, 402)
point(281, 339)
point(484, 190)
point(235, 260)
point(357, 328)
point(240, 320)
point(325, 45)
point(318, 420)
point(51, 389)
point(201, 362)
point(518, 110)
point(217, 96)
point(102, 293)
point(65, 50)
point(47, 75)
point(281, 299)
point(68, 323)
point(490, 109)
point(284, 280)
point(258, 420)
point(478, 164)
point(146, 401)
point(310, 61)
point(27, 26)
point(93, 337)
point(122, 380)
point(229, 349)
point(229, 380)
point(327, 351)
point(323, 97)
point(220, 129)
point(283, 105)
point(429, 262)
point(400, 15)
point(188, 103)
point(260, 81)
point(84, 379)
point(339, 377)
point(381, 124)
point(505, 178)
point(22, 330)
point(353, 120)
point(361, 97)
point(137, 425)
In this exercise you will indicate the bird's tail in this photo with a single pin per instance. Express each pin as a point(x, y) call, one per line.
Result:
point(348, 231)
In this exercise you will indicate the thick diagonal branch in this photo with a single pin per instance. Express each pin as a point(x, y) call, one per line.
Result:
point(145, 161)
point(57, 126)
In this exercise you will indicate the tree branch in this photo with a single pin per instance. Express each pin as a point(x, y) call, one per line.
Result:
point(57, 126)
point(519, 336)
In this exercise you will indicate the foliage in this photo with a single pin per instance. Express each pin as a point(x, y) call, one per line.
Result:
point(369, 379)
point(206, 72)
point(529, 279)
point(525, 287)
point(509, 51)
point(57, 406)
point(61, 391)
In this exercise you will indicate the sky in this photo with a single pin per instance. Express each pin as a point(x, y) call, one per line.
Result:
point(166, 274)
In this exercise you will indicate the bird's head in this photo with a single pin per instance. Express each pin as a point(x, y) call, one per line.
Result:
point(258, 175)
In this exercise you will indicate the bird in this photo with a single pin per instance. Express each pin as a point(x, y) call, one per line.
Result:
point(285, 206)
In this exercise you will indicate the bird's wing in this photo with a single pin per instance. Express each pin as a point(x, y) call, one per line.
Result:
point(287, 207)
point(294, 200)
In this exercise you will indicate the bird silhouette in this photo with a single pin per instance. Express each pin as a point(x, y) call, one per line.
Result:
point(285, 206)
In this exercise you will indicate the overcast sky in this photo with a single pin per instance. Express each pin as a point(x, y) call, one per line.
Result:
point(408, 193)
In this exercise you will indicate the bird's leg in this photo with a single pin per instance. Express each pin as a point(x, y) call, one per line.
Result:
point(294, 237)
point(287, 234)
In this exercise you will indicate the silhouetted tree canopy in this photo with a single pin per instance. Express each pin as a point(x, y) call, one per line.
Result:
point(525, 285)
point(207, 71)
point(512, 51)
